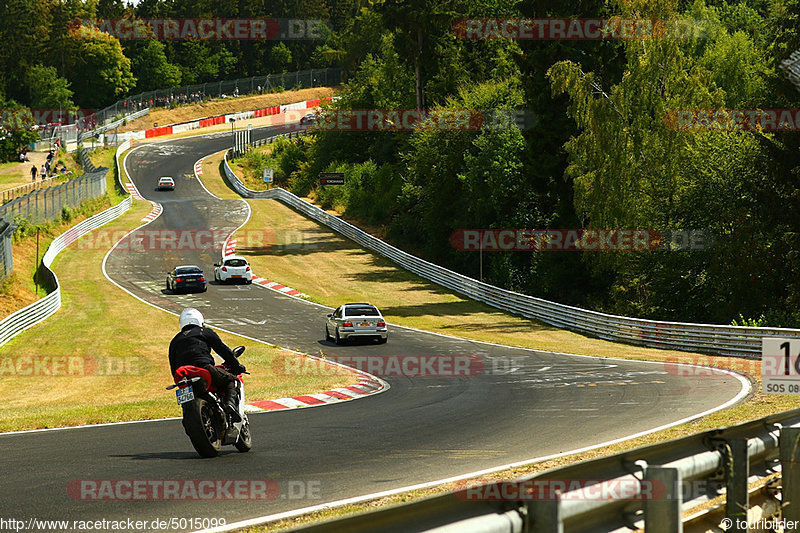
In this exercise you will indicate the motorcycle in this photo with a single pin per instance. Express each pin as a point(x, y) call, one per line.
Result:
point(205, 421)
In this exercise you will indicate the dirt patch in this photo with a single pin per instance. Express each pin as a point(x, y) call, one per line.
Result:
point(228, 105)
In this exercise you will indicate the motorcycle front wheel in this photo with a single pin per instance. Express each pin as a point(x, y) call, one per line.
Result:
point(202, 426)
point(245, 440)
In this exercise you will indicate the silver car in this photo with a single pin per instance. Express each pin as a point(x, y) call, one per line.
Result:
point(165, 182)
point(356, 320)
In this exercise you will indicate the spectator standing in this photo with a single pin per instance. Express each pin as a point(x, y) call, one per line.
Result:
point(44, 172)
point(33, 173)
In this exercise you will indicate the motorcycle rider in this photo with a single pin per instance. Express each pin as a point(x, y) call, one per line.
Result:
point(193, 345)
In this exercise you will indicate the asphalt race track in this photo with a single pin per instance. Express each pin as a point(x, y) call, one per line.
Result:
point(524, 404)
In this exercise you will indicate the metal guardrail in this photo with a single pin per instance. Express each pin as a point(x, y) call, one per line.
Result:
point(6, 257)
point(29, 316)
point(135, 106)
point(6, 195)
point(196, 93)
point(36, 312)
point(111, 125)
point(707, 338)
point(650, 487)
point(47, 203)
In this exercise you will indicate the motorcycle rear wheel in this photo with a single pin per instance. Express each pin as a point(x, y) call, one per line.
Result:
point(202, 426)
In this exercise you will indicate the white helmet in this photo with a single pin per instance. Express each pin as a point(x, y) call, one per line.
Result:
point(191, 316)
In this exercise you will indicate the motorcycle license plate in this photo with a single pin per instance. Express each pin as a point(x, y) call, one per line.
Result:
point(184, 395)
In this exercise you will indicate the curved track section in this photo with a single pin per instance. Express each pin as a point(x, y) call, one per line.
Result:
point(524, 404)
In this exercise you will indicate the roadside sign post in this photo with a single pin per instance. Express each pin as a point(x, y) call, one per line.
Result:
point(780, 365)
point(268, 175)
point(331, 178)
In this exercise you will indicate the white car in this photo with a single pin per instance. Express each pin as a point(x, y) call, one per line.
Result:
point(166, 182)
point(356, 320)
point(233, 268)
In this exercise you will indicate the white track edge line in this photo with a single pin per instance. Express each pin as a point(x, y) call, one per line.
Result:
point(367, 497)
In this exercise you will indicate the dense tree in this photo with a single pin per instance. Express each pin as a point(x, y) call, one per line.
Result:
point(98, 69)
point(47, 89)
point(152, 69)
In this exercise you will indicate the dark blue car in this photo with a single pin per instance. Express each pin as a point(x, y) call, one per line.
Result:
point(185, 279)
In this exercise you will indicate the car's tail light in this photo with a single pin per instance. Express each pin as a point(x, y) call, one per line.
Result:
point(348, 325)
point(202, 278)
point(178, 280)
point(224, 269)
point(381, 324)
point(247, 269)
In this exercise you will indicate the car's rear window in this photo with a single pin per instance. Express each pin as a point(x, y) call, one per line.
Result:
point(361, 311)
point(235, 263)
point(188, 270)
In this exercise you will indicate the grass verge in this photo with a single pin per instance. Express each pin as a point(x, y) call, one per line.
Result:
point(224, 106)
point(103, 344)
point(19, 289)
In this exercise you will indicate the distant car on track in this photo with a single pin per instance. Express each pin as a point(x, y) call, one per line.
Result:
point(233, 268)
point(186, 278)
point(356, 320)
point(309, 119)
point(166, 182)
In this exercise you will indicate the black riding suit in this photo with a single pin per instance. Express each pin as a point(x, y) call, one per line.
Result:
point(193, 345)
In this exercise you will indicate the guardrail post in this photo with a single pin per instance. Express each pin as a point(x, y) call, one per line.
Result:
point(737, 470)
point(790, 472)
point(663, 500)
point(544, 516)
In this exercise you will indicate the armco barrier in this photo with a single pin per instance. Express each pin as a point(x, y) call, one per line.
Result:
point(29, 316)
point(661, 488)
point(707, 338)
point(6, 258)
point(124, 120)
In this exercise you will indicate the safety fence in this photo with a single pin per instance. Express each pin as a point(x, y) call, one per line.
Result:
point(706, 338)
point(47, 306)
point(694, 483)
point(6, 257)
point(38, 311)
point(141, 104)
point(288, 112)
point(15, 192)
point(48, 203)
point(111, 125)
point(44, 201)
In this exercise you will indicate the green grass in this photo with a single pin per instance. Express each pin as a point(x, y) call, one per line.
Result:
point(99, 321)
point(306, 255)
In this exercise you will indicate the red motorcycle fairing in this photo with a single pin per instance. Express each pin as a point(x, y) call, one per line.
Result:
point(189, 371)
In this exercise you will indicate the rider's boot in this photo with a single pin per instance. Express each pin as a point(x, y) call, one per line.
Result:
point(232, 402)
